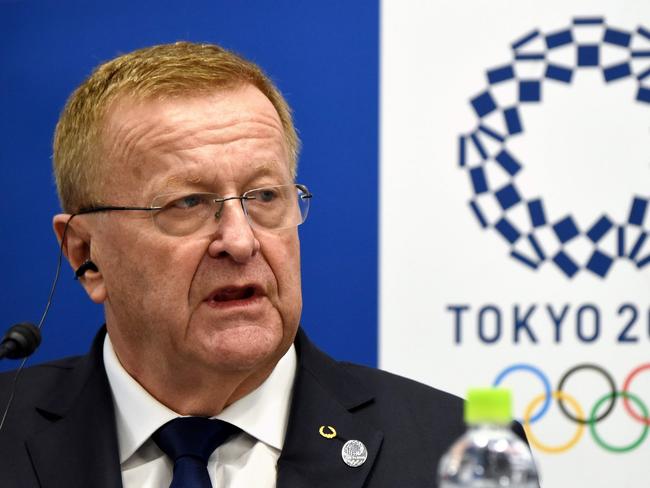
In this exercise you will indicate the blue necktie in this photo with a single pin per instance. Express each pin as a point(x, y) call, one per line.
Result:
point(189, 441)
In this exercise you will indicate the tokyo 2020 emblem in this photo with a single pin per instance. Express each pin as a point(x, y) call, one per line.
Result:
point(493, 154)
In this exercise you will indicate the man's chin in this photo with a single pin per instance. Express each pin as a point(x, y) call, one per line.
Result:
point(244, 348)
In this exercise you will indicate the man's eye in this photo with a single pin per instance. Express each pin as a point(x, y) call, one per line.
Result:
point(266, 195)
point(188, 201)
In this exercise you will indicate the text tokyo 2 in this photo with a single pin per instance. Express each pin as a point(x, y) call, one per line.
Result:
point(629, 323)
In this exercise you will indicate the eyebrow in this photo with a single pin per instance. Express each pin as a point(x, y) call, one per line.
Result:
point(257, 170)
point(180, 180)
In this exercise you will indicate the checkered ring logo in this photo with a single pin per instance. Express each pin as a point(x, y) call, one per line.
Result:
point(489, 144)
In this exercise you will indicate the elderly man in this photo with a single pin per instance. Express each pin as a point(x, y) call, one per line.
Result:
point(175, 167)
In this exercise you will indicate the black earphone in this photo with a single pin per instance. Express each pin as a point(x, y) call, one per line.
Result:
point(87, 265)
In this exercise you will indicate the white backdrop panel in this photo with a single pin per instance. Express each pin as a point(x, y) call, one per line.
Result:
point(553, 272)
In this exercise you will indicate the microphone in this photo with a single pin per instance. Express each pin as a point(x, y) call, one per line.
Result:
point(20, 341)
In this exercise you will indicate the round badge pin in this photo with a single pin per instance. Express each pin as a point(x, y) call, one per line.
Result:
point(354, 453)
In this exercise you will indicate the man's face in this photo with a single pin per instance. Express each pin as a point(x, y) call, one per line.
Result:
point(227, 299)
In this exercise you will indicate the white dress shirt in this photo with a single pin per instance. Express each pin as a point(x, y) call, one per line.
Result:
point(248, 460)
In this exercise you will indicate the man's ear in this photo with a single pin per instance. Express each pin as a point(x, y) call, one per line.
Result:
point(76, 248)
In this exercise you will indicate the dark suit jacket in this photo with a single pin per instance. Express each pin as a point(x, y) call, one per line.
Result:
point(60, 431)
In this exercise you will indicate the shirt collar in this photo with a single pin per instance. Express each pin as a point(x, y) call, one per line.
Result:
point(263, 413)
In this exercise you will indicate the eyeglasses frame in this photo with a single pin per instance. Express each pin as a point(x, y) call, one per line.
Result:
point(110, 208)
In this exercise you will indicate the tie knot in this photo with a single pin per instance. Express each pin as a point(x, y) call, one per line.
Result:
point(196, 437)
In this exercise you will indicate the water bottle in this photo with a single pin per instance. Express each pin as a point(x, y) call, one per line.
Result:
point(489, 454)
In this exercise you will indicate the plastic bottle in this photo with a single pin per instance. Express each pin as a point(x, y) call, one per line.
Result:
point(489, 454)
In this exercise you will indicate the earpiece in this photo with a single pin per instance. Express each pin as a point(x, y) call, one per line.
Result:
point(87, 265)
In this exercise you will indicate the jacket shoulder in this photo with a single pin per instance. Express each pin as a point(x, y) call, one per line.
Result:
point(401, 392)
point(379, 377)
point(38, 381)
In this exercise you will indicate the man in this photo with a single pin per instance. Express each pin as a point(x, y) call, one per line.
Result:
point(175, 167)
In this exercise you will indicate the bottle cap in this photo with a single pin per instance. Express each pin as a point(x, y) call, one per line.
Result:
point(488, 405)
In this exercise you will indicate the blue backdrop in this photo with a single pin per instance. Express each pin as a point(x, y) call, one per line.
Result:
point(324, 57)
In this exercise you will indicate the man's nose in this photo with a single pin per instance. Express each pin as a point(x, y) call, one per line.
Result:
point(234, 236)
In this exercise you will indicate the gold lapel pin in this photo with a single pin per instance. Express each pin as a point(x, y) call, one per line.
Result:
point(329, 434)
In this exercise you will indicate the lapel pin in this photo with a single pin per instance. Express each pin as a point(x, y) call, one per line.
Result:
point(354, 453)
point(327, 431)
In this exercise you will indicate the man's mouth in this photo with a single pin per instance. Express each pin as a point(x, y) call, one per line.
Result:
point(234, 295)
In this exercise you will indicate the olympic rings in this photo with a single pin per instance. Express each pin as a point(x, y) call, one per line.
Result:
point(578, 416)
point(559, 395)
point(537, 372)
point(609, 379)
point(592, 425)
point(626, 387)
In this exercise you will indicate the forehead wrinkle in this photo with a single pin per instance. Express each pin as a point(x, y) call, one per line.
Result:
point(127, 139)
point(141, 133)
point(177, 129)
point(188, 137)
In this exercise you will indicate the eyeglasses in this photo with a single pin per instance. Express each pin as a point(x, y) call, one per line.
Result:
point(181, 214)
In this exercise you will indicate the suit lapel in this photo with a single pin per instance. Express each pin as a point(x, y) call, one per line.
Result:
point(79, 447)
point(325, 395)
